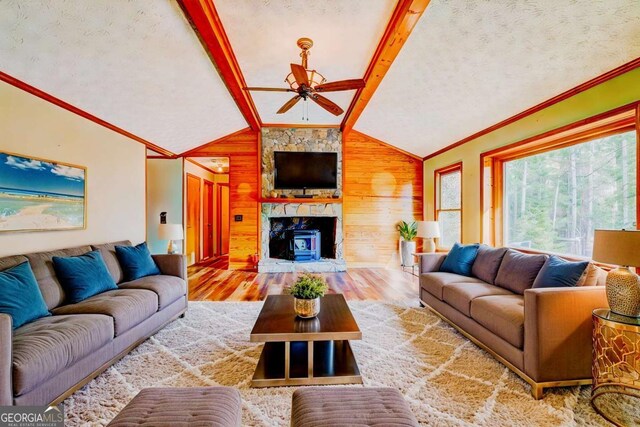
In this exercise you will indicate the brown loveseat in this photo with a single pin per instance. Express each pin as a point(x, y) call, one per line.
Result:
point(44, 361)
point(542, 334)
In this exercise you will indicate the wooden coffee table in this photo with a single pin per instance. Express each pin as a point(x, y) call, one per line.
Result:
point(305, 351)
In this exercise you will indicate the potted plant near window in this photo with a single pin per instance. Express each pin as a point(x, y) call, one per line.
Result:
point(307, 292)
point(408, 232)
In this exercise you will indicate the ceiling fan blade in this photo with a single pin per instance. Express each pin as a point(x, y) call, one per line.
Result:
point(340, 85)
point(269, 89)
point(290, 103)
point(328, 105)
point(300, 74)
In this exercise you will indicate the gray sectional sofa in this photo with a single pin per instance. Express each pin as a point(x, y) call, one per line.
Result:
point(45, 361)
point(542, 334)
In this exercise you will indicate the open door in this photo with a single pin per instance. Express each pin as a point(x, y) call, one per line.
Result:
point(193, 219)
point(223, 218)
point(207, 217)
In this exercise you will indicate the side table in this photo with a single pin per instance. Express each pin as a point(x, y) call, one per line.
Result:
point(616, 366)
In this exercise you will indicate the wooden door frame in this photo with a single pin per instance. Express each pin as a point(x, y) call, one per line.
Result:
point(198, 216)
point(205, 221)
point(219, 214)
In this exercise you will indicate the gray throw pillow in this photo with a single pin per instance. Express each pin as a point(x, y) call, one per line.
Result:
point(518, 271)
point(487, 263)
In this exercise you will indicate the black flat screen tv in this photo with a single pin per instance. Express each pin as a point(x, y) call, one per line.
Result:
point(302, 170)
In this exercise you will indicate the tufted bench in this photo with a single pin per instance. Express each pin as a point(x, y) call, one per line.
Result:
point(176, 407)
point(350, 406)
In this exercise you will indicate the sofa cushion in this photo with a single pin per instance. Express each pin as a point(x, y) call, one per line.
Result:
point(503, 315)
point(20, 296)
point(83, 276)
point(108, 252)
point(487, 263)
point(593, 276)
point(557, 272)
point(460, 295)
point(127, 307)
point(136, 261)
point(42, 266)
point(168, 288)
point(43, 348)
point(460, 259)
point(518, 271)
point(435, 282)
point(12, 261)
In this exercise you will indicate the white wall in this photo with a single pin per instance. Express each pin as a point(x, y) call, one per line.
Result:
point(164, 194)
point(115, 170)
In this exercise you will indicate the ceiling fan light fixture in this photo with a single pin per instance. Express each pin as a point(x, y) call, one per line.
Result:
point(315, 79)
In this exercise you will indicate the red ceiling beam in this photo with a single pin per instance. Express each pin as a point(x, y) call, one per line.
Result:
point(404, 19)
point(207, 24)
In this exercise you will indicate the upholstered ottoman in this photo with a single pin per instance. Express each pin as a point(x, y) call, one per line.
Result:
point(176, 407)
point(350, 406)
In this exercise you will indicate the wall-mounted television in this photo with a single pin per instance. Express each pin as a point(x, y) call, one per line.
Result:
point(305, 170)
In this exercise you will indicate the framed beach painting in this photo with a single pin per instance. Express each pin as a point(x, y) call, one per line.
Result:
point(41, 195)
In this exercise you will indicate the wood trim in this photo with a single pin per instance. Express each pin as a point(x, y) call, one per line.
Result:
point(198, 219)
point(637, 168)
point(625, 68)
point(402, 22)
point(189, 152)
point(62, 104)
point(386, 144)
point(437, 174)
point(206, 23)
point(621, 119)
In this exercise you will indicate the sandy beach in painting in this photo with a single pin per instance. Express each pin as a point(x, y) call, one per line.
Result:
point(37, 212)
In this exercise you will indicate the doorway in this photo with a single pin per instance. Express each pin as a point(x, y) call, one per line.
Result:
point(207, 217)
point(193, 219)
point(223, 218)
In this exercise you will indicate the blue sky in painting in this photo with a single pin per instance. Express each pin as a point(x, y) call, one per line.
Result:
point(21, 173)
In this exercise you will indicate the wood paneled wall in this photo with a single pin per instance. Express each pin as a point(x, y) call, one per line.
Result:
point(382, 186)
point(242, 150)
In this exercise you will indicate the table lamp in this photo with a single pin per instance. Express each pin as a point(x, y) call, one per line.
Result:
point(170, 232)
point(429, 230)
point(622, 248)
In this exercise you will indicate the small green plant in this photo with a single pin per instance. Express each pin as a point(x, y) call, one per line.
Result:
point(407, 231)
point(309, 286)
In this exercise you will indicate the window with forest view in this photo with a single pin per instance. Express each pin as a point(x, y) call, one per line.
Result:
point(449, 205)
point(555, 200)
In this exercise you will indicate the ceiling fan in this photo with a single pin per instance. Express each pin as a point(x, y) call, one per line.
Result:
point(308, 83)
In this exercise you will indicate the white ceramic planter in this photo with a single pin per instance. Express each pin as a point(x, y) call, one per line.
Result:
point(406, 251)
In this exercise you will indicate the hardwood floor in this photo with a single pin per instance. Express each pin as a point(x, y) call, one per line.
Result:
point(210, 281)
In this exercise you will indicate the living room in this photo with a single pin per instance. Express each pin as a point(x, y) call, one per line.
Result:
point(411, 212)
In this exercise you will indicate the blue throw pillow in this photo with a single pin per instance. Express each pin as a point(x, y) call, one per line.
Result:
point(556, 273)
point(20, 296)
point(83, 276)
point(136, 262)
point(460, 259)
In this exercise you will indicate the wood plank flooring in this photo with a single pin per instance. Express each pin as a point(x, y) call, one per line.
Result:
point(211, 281)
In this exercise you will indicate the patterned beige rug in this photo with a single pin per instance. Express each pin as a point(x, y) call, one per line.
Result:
point(447, 380)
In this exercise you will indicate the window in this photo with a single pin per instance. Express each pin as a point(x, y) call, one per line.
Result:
point(449, 204)
point(551, 192)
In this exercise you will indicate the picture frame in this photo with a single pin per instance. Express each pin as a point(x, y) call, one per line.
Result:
point(38, 194)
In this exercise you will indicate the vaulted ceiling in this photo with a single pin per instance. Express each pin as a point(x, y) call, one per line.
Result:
point(467, 65)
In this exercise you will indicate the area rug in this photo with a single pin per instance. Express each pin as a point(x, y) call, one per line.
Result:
point(446, 379)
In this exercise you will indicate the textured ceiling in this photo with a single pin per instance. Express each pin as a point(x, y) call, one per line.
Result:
point(263, 34)
point(136, 64)
point(470, 64)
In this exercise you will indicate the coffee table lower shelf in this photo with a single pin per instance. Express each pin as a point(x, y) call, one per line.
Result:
point(306, 363)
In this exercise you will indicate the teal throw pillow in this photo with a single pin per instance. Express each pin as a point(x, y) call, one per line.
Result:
point(460, 259)
point(83, 276)
point(556, 273)
point(20, 296)
point(136, 262)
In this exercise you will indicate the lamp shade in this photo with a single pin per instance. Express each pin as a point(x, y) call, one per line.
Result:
point(618, 247)
point(170, 232)
point(428, 229)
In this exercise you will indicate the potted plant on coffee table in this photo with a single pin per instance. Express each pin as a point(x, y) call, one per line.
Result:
point(307, 291)
point(408, 232)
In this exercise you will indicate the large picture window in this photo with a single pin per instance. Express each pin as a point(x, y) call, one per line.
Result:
point(551, 192)
point(449, 204)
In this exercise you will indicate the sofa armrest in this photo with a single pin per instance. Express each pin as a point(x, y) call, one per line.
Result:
point(558, 331)
point(6, 346)
point(172, 264)
point(431, 262)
